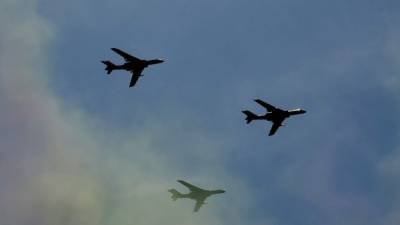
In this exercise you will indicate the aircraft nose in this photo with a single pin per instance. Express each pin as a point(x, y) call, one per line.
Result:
point(155, 61)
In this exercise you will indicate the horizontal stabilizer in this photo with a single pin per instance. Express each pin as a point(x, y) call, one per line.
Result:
point(249, 116)
point(175, 194)
point(109, 66)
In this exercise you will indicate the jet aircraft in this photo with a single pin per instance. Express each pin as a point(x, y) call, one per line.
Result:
point(274, 115)
point(196, 193)
point(132, 64)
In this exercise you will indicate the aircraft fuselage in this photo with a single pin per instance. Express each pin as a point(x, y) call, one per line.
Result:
point(139, 66)
point(201, 194)
point(281, 115)
point(272, 116)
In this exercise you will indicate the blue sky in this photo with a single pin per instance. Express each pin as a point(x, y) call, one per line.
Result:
point(87, 149)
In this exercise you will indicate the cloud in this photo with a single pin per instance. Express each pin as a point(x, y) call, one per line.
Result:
point(61, 166)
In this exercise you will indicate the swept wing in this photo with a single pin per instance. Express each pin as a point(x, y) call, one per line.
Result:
point(269, 107)
point(275, 126)
point(126, 56)
point(135, 77)
point(199, 203)
point(190, 186)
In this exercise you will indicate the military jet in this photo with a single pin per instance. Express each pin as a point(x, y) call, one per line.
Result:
point(196, 193)
point(275, 115)
point(132, 64)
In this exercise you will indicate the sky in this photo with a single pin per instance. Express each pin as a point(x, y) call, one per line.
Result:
point(79, 147)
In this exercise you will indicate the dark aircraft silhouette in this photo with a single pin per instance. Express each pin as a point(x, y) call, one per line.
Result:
point(132, 64)
point(275, 115)
point(196, 193)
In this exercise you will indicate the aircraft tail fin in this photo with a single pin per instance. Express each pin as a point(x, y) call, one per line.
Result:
point(109, 66)
point(175, 194)
point(249, 116)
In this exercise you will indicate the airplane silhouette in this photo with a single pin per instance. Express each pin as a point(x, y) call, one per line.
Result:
point(196, 193)
point(275, 115)
point(132, 64)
